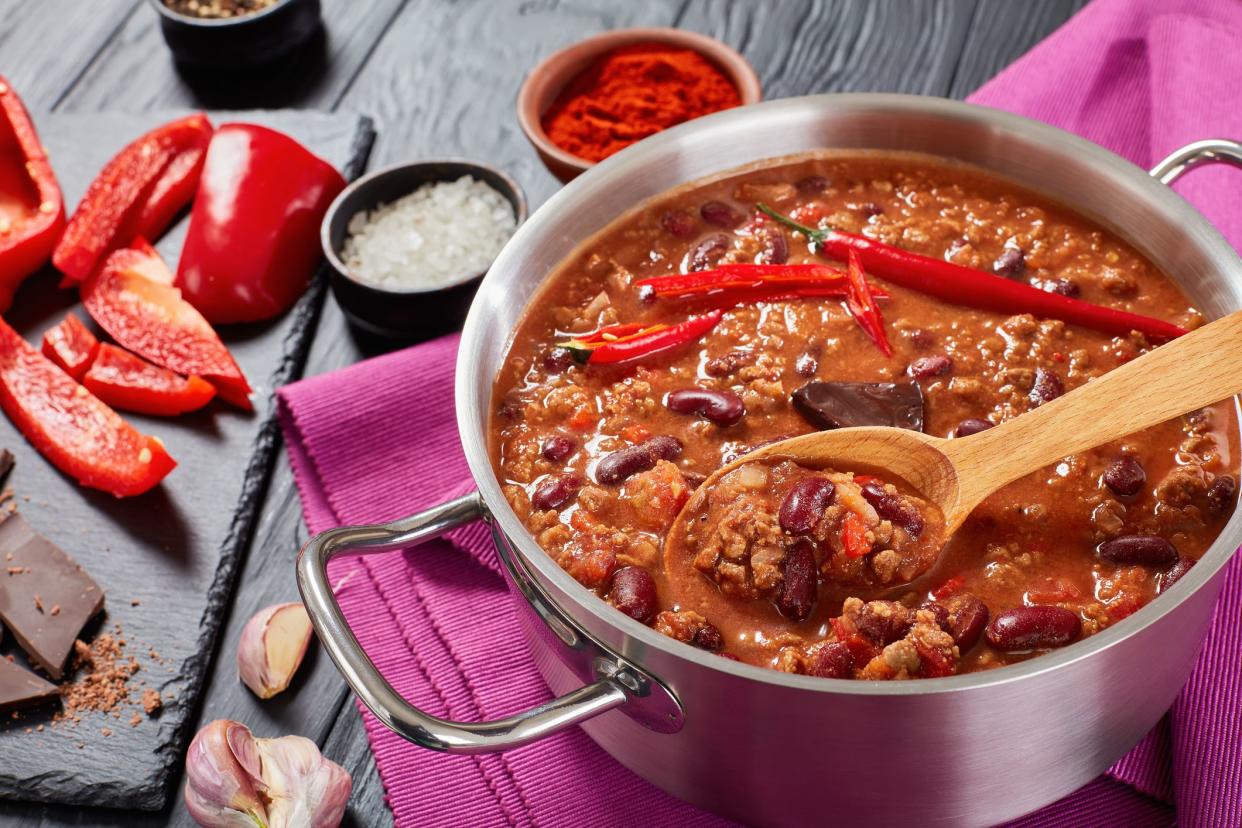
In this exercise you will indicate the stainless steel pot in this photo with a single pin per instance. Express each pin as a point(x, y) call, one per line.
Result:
point(758, 745)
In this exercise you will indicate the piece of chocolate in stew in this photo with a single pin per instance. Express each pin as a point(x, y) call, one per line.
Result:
point(21, 688)
point(45, 597)
point(829, 405)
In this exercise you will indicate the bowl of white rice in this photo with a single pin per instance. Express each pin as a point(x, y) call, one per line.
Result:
point(408, 244)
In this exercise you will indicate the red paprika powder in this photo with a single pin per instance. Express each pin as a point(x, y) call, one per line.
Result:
point(632, 92)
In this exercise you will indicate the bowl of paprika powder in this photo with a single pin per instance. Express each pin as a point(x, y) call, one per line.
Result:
point(598, 96)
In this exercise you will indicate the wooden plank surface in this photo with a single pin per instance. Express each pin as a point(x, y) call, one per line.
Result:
point(441, 77)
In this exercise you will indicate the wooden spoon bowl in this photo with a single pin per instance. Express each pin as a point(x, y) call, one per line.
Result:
point(956, 475)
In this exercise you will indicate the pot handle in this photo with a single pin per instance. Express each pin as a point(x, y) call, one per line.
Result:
point(1210, 151)
point(376, 693)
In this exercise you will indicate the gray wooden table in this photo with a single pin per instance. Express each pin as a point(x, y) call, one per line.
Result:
point(440, 78)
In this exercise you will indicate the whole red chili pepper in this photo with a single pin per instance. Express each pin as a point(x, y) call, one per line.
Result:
point(650, 341)
point(974, 288)
point(136, 194)
point(33, 211)
point(73, 429)
point(253, 241)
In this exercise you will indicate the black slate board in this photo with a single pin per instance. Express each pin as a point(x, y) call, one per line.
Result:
point(166, 560)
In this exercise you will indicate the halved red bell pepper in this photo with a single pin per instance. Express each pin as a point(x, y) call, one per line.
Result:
point(72, 428)
point(137, 193)
point(71, 346)
point(130, 383)
point(253, 241)
point(32, 211)
point(153, 321)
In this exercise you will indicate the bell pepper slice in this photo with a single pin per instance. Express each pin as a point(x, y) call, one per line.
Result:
point(854, 536)
point(72, 428)
point(136, 193)
point(153, 321)
point(143, 259)
point(71, 346)
point(32, 211)
point(253, 242)
point(130, 383)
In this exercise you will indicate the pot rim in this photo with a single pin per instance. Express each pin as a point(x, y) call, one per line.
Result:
point(471, 409)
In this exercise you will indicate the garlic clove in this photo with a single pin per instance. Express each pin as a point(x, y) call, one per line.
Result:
point(272, 646)
point(234, 780)
point(219, 790)
point(303, 788)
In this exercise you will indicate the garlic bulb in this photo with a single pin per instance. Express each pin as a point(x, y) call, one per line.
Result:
point(234, 780)
point(272, 646)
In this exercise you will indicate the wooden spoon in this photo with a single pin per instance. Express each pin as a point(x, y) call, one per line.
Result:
point(1195, 370)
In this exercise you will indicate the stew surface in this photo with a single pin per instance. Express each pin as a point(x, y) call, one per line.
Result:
point(598, 458)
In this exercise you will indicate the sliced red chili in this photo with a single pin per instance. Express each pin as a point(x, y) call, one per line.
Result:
point(974, 288)
point(647, 342)
point(862, 306)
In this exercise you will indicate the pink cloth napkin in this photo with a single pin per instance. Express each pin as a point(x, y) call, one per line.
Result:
point(378, 441)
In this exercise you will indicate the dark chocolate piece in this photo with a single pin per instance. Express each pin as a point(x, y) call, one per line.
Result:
point(6, 464)
point(45, 597)
point(21, 688)
point(828, 405)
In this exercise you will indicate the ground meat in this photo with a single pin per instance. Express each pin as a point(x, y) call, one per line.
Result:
point(745, 550)
point(1109, 518)
point(1181, 486)
point(689, 627)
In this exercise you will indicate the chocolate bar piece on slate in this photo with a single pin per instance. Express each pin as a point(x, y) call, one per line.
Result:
point(45, 597)
point(6, 463)
point(21, 688)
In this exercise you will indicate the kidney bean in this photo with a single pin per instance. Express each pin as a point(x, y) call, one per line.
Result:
point(557, 360)
point(1125, 476)
point(1174, 574)
point(894, 507)
point(871, 209)
point(1064, 287)
point(1220, 494)
point(806, 365)
point(720, 214)
point(800, 588)
point(831, 660)
point(884, 621)
point(709, 251)
point(633, 591)
point(930, 366)
point(1010, 264)
point(678, 223)
point(971, 425)
point(555, 491)
point(624, 463)
point(805, 503)
point(708, 637)
point(775, 248)
point(968, 616)
point(940, 611)
point(1138, 550)
point(1033, 628)
point(557, 447)
point(721, 407)
point(1047, 387)
point(812, 184)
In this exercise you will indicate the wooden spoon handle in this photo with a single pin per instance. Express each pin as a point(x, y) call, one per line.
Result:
point(1195, 370)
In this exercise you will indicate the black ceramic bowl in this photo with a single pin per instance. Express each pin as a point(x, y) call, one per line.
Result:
point(416, 312)
point(261, 37)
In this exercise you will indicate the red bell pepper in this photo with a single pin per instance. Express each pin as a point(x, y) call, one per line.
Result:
point(69, 426)
point(974, 288)
point(71, 346)
point(253, 242)
point(130, 383)
point(854, 536)
point(143, 259)
point(32, 211)
point(153, 321)
point(137, 193)
point(621, 343)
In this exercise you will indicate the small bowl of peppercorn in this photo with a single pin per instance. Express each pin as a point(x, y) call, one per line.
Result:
point(600, 95)
point(235, 33)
